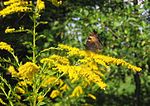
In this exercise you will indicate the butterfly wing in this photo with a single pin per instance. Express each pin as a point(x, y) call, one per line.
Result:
point(93, 43)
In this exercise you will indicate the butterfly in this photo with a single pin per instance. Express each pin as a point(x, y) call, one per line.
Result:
point(93, 43)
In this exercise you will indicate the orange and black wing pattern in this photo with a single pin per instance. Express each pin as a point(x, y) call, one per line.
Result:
point(93, 43)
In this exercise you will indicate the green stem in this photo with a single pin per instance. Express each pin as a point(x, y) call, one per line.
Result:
point(35, 92)
point(34, 59)
point(16, 58)
point(34, 40)
point(35, 97)
point(3, 90)
point(11, 104)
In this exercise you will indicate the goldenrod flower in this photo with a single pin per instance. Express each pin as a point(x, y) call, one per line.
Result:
point(54, 94)
point(5, 46)
point(72, 71)
point(28, 70)
point(10, 2)
point(55, 59)
point(19, 90)
point(12, 70)
point(9, 30)
point(72, 50)
point(77, 92)
point(92, 96)
point(24, 83)
point(82, 71)
point(18, 97)
point(40, 98)
point(88, 66)
point(86, 71)
point(100, 59)
point(15, 6)
point(40, 5)
point(110, 60)
point(64, 87)
point(51, 80)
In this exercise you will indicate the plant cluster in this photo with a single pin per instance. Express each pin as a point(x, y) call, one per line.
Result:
point(68, 75)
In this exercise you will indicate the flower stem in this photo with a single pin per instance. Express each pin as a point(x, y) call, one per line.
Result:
point(34, 40)
point(16, 58)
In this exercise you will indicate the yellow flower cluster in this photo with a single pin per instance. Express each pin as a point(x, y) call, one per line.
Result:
point(26, 71)
point(19, 90)
point(89, 71)
point(77, 92)
point(55, 59)
point(91, 96)
point(47, 80)
point(24, 83)
point(88, 67)
point(119, 62)
point(5, 46)
point(73, 51)
point(40, 98)
point(55, 93)
point(64, 87)
point(100, 59)
point(9, 30)
point(40, 5)
point(83, 71)
point(53, 81)
point(15, 6)
point(12, 70)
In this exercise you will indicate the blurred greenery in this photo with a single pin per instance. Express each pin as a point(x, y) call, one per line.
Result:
point(122, 26)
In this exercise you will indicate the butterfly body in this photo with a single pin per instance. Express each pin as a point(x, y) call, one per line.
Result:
point(93, 43)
